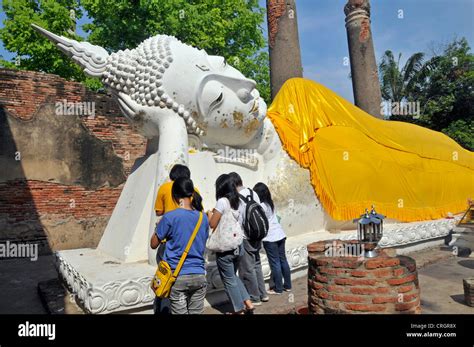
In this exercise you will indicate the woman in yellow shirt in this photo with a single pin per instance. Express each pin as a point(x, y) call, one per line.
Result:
point(164, 200)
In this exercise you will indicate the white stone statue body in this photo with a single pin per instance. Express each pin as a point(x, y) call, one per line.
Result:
point(181, 97)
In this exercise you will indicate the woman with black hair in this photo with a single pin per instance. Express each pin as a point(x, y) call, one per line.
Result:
point(274, 243)
point(189, 290)
point(228, 261)
point(164, 200)
point(165, 203)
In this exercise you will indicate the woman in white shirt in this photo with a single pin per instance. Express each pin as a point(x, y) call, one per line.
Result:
point(274, 243)
point(228, 261)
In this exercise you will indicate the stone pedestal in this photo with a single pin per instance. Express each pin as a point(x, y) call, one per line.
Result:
point(365, 81)
point(344, 284)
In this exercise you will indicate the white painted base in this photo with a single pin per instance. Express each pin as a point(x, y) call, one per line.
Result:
point(400, 234)
point(104, 284)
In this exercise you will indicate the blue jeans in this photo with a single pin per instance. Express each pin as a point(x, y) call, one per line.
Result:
point(227, 265)
point(250, 270)
point(278, 264)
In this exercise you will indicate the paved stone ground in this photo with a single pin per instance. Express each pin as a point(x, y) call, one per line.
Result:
point(19, 280)
point(278, 304)
point(440, 275)
point(442, 288)
point(18, 284)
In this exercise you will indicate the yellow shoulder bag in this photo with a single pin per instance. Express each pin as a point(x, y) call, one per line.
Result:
point(164, 278)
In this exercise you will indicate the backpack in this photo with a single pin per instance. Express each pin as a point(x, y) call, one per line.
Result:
point(255, 221)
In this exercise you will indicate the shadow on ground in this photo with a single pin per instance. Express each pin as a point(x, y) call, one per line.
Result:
point(469, 263)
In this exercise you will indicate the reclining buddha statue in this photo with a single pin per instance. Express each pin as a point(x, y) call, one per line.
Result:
point(324, 159)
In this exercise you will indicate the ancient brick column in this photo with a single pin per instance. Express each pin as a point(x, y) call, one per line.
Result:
point(343, 285)
point(365, 81)
point(283, 42)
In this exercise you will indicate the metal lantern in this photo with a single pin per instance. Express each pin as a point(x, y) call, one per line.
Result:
point(379, 226)
point(370, 230)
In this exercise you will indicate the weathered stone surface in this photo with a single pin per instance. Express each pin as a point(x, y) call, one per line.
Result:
point(71, 168)
point(70, 233)
point(284, 47)
point(57, 149)
point(468, 284)
point(364, 73)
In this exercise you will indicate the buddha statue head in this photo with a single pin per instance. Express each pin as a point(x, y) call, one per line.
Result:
point(164, 77)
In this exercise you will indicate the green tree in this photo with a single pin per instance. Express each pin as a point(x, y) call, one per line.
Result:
point(462, 131)
point(400, 84)
point(448, 91)
point(443, 85)
point(33, 51)
point(231, 28)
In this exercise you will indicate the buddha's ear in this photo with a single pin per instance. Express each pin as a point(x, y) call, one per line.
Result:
point(92, 58)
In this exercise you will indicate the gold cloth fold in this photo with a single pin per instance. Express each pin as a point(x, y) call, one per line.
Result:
point(408, 172)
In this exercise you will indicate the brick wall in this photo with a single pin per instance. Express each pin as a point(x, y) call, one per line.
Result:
point(67, 216)
point(382, 284)
point(23, 92)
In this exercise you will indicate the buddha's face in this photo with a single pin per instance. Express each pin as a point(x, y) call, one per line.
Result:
point(230, 106)
point(220, 99)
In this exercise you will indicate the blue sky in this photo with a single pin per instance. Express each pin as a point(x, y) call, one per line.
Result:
point(425, 23)
point(323, 40)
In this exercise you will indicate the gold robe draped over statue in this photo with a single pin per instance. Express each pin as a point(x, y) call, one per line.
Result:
point(408, 172)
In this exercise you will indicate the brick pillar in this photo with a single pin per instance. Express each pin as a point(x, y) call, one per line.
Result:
point(283, 42)
point(382, 284)
point(365, 80)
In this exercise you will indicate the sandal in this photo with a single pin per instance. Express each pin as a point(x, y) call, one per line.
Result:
point(249, 310)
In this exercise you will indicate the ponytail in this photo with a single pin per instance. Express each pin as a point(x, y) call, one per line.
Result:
point(184, 188)
point(197, 201)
